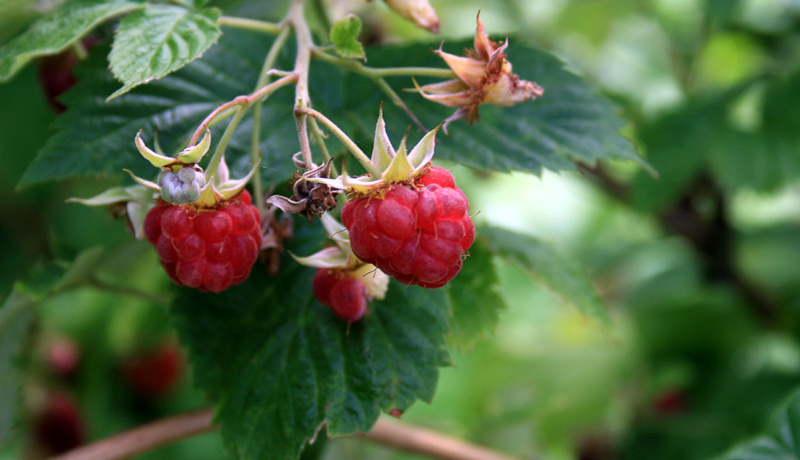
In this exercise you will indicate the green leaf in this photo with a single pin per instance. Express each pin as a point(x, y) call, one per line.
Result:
point(344, 36)
point(159, 40)
point(474, 298)
point(279, 364)
point(558, 273)
point(570, 123)
point(782, 441)
point(15, 320)
point(59, 29)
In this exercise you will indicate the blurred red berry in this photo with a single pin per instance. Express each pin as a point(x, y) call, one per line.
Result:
point(59, 427)
point(670, 402)
point(63, 357)
point(154, 375)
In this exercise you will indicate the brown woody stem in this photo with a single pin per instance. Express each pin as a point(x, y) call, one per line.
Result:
point(395, 434)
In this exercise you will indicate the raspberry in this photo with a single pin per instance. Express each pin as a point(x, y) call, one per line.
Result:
point(416, 233)
point(154, 375)
point(210, 249)
point(346, 295)
point(59, 427)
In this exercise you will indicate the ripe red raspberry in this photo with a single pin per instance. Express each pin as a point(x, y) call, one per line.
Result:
point(417, 233)
point(346, 295)
point(210, 249)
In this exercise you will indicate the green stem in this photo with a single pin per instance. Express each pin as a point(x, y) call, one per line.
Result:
point(398, 102)
point(97, 283)
point(373, 73)
point(263, 79)
point(223, 143)
point(249, 24)
point(351, 146)
point(223, 110)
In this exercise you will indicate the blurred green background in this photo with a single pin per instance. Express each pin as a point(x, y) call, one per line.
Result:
point(698, 268)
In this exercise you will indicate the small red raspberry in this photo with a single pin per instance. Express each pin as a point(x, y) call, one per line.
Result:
point(346, 295)
point(210, 249)
point(416, 233)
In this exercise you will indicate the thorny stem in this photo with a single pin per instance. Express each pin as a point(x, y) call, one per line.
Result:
point(249, 24)
point(263, 79)
point(351, 146)
point(165, 431)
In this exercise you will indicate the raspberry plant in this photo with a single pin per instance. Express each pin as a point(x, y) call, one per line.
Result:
point(313, 286)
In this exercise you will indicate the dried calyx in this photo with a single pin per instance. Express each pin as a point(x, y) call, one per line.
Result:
point(484, 76)
point(310, 198)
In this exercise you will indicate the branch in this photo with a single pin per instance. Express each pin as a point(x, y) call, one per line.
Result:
point(421, 441)
point(171, 429)
point(145, 438)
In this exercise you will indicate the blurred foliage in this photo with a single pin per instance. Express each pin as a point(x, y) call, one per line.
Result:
point(698, 265)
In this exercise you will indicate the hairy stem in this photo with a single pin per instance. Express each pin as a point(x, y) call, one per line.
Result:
point(262, 93)
point(162, 432)
point(249, 24)
point(373, 73)
point(301, 67)
point(223, 143)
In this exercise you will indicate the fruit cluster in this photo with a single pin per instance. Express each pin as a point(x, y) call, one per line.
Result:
point(346, 295)
point(417, 233)
point(207, 248)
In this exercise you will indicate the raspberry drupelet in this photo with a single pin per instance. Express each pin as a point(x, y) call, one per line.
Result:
point(207, 248)
point(417, 233)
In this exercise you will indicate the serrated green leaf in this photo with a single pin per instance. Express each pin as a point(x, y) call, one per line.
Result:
point(571, 122)
point(558, 273)
point(15, 319)
point(344, 35)
point(159, 40)
point(474, 299)
point(279, 363)
point(94, 137)
point(58, 30)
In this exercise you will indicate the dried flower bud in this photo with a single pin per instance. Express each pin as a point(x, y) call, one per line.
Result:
point(420, 12)
point(310, 198)
point(483, 77)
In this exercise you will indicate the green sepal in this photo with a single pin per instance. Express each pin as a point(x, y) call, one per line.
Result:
point(382, 150)
point(138, 201)
point(194, 154)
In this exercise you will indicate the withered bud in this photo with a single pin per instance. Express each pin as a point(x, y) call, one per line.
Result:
point(310, 198)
